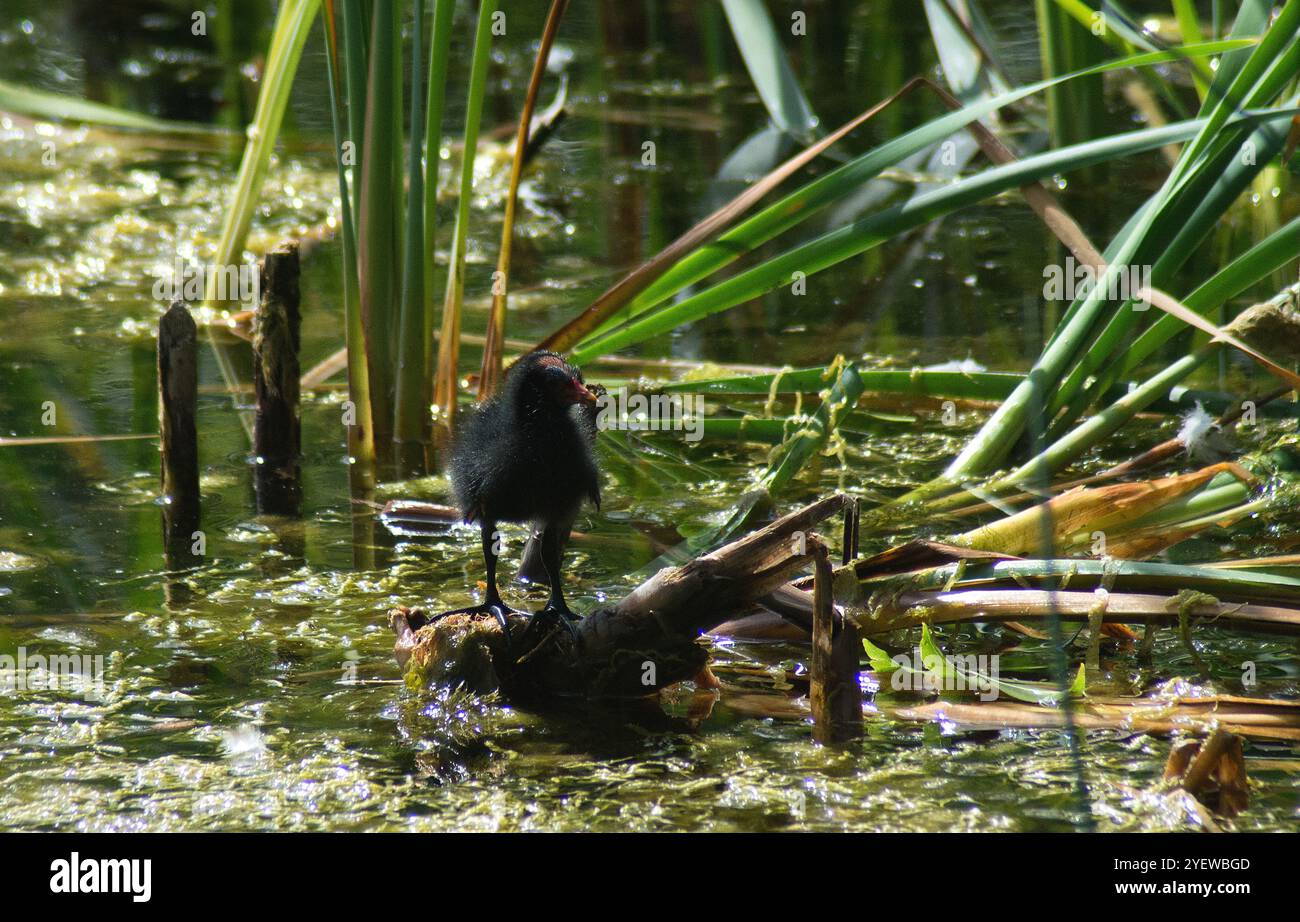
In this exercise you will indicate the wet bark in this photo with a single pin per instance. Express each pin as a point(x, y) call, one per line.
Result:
point(646, 642)
point(177, 400)
point(277, 437)
point(834, 693)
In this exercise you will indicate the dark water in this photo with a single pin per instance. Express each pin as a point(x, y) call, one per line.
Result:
point(227, 702)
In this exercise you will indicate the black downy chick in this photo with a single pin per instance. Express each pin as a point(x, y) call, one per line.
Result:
point(531, 568)
point(526, 455)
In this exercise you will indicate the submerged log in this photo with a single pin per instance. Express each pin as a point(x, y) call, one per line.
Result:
point(644, 643)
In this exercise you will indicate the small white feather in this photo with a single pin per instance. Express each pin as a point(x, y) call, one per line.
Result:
point(243, 742)
point(1197, 425)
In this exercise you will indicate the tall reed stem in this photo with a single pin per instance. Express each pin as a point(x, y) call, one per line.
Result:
point(411, 410)
point(446, 381)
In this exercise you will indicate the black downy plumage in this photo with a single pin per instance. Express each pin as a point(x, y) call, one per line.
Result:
point(526, 455)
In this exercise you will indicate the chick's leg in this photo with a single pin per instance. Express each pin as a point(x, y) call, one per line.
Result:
point(492, 603)
point(531, 567)
point(556, 610)
point(552, 545)
point(488, 536)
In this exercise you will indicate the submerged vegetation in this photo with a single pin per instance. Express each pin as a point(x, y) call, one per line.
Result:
point(802, 249)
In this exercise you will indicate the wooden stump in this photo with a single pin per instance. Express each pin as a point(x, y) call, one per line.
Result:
point(834, 693)
point(277, 433)
point(177, 400)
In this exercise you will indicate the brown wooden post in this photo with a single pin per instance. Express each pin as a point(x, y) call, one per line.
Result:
point(177, 399)
point(277, 436)
point(834, 693)
point(850, 551)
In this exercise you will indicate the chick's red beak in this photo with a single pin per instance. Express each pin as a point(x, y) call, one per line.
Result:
point(582, 395)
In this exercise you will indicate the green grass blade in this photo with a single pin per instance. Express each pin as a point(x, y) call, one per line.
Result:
point(960, 41)
point(1204, 197)
point(1255, 265)
point(356, 45)
point(292, 26)
point(378, 261)
point(832, 187)
point(24, 100)
point(1257, 69)
point(361, 445)
point(873, 230)
point(1105, 423)
point(1262, 74)
point(812, 436)
point(435, 107)
point(770, 69)
point(1252, 20)
point(412, 411)
point(491, 369)
point(1172, 240)
point(1189, 28)
point(1076, 109)
point(918, 382)
point(776, 430)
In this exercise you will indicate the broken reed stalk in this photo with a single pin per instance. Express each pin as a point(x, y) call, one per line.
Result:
point(1206, 760)
point(177, 399)
point(277, 435)
point(1213, 772)
point(1253, 718)
point(909, 609)
point(834, 694)
point(850, 541)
